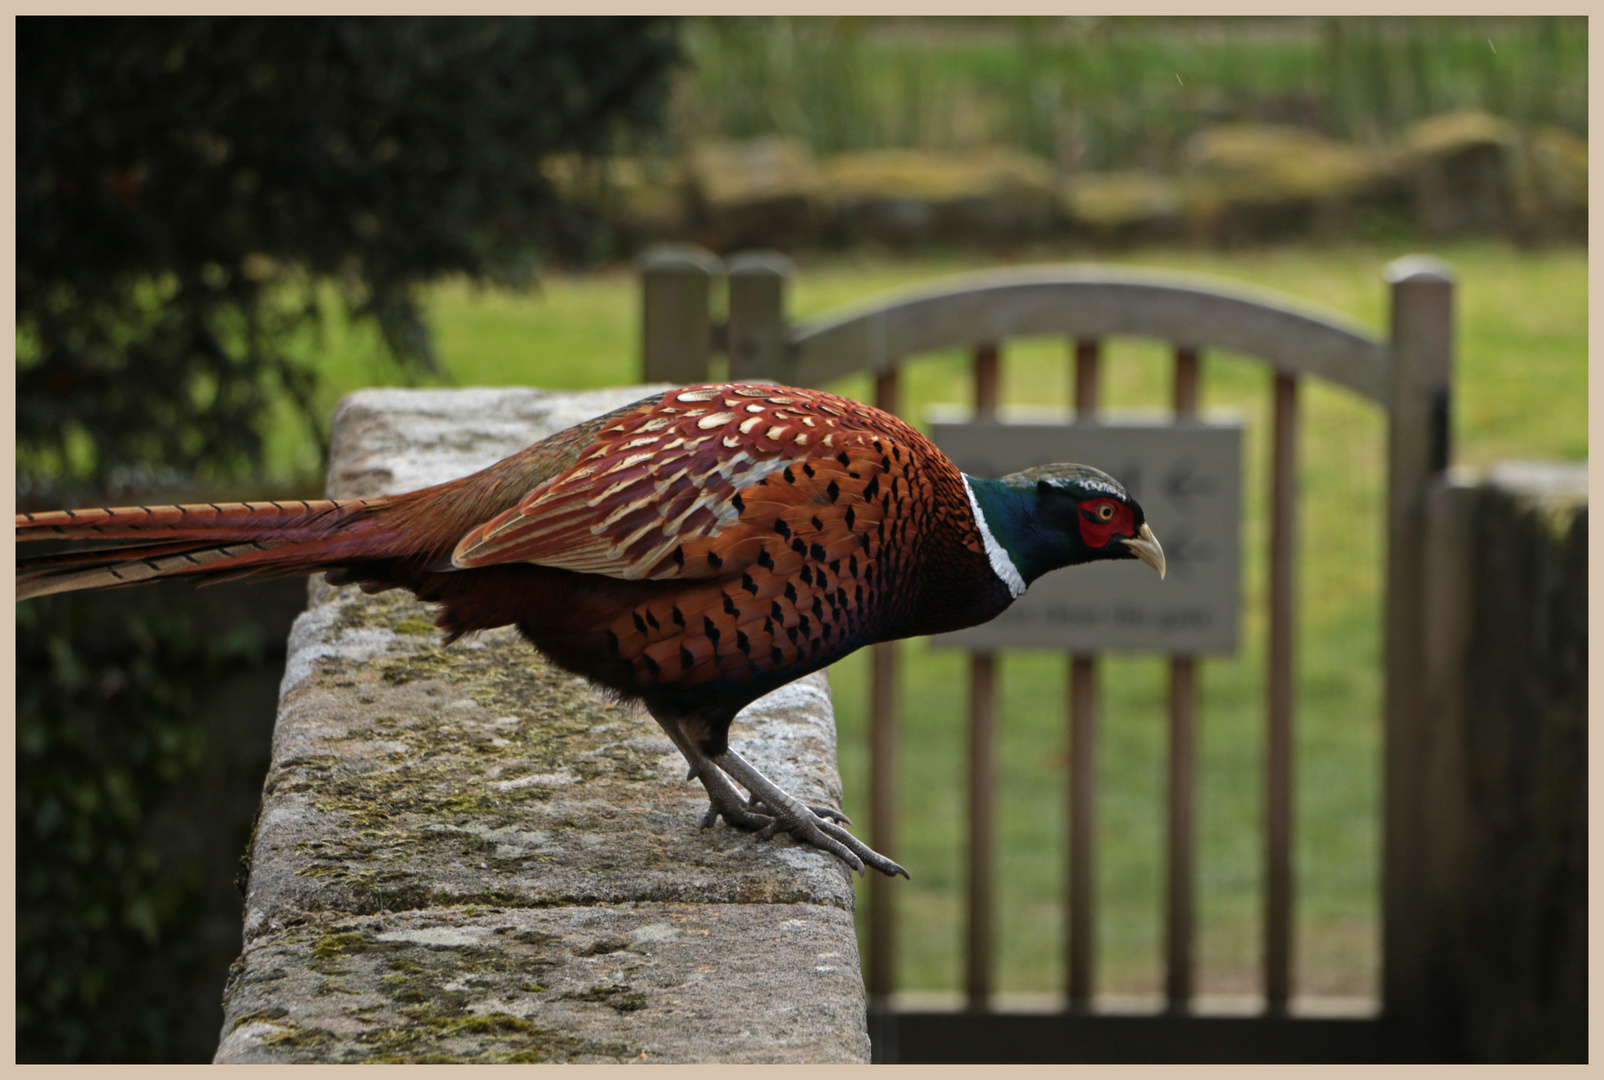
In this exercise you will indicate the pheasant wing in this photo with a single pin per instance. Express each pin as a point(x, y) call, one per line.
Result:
point(702, 483)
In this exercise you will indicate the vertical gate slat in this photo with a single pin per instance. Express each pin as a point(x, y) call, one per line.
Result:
point(982, 832)
point(1082, 829)
point(1181, 919)
point(883, 774)
point(982, 739)
point(1187, 378)
point(1179, 978)
point(1081, 936)
point(1278, 804)
point(988, 381)
point(1088, 374)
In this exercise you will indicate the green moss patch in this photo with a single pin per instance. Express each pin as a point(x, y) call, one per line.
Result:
point(460, 723)
point(494, 1037)
point(620, 996)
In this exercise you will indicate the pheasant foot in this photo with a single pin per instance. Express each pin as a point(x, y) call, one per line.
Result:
point(723, 797)
point(816, 825)
point(829, 812)
point(803, 822)
point(749, 813)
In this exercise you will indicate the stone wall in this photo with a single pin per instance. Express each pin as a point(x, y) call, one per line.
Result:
point(1457, 174)
point(465, 854)
point(1505, 849)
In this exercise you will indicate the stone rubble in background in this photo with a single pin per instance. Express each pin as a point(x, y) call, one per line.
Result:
point(1455, 174)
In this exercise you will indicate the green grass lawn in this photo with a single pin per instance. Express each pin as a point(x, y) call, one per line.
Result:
point(1520, 391)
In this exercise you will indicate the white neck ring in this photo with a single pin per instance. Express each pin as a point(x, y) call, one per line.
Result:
point(1001, 564)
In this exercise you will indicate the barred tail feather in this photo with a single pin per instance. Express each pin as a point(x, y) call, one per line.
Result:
point(112, 570)
point(212, 520)
point(207, 542)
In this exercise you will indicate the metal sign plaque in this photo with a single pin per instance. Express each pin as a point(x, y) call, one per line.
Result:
point(1187, 478)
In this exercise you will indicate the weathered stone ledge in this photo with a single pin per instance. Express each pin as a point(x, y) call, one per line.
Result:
point(465, 854)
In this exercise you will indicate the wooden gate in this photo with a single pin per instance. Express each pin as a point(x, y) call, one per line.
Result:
point(1408, 377)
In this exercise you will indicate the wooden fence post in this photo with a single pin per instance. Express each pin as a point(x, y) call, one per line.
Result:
point(1281, 696)
point(676, 335)
point(759, 281)
point(1181, 886)
point(1080, 936)
point(1448, 820)
point(1417, 456)
point(883, 717)
point(979, 950)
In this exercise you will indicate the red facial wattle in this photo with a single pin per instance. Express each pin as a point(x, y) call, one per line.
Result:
point(1104, 520)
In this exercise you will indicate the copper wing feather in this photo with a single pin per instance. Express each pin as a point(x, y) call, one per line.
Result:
point(700, 484)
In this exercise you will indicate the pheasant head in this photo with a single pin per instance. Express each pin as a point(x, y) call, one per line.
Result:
point(1059, 515)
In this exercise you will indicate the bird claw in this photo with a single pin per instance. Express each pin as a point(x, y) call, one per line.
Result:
point(829, 813)
point(865, 855)
point(828, 836)
point(816, 826)
point(824, 834)
point(819, 826)
point(738, 815)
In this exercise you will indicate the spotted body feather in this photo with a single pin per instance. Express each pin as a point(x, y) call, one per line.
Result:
point(794, 522)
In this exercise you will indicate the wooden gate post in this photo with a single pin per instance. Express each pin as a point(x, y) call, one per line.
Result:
point(676, 337)
point(759, 281)
point(979, 952)
point(1417, 456)
point(883, 718)
point(1080, 932)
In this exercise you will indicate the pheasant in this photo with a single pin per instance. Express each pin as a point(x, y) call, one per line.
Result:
point(693, 551)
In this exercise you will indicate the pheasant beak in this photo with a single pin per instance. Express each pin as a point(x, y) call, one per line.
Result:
point(1145, 544)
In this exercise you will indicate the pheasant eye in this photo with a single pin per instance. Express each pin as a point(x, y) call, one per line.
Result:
point(1105, 512)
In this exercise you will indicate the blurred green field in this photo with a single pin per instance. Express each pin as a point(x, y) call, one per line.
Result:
point(1521, 389)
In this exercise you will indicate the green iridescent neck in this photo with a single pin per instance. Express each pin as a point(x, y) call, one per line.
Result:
point(1011, 509)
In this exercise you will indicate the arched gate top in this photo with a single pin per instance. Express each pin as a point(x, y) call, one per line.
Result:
point(1086, 302)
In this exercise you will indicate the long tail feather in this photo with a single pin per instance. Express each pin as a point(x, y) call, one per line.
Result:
point(207, 541)
point(379, 543)
point(193, 519)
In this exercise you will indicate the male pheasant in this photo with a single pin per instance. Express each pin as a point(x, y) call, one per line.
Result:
point(694, 551)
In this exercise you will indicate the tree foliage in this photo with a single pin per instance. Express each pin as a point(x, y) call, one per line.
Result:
point(184, 184)
point(108, 913)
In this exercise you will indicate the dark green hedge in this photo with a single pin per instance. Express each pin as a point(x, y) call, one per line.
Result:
point(144, 719)
point(182, 184)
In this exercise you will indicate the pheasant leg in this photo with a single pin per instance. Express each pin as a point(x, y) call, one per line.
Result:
point(801, 821)
point(723, 798)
